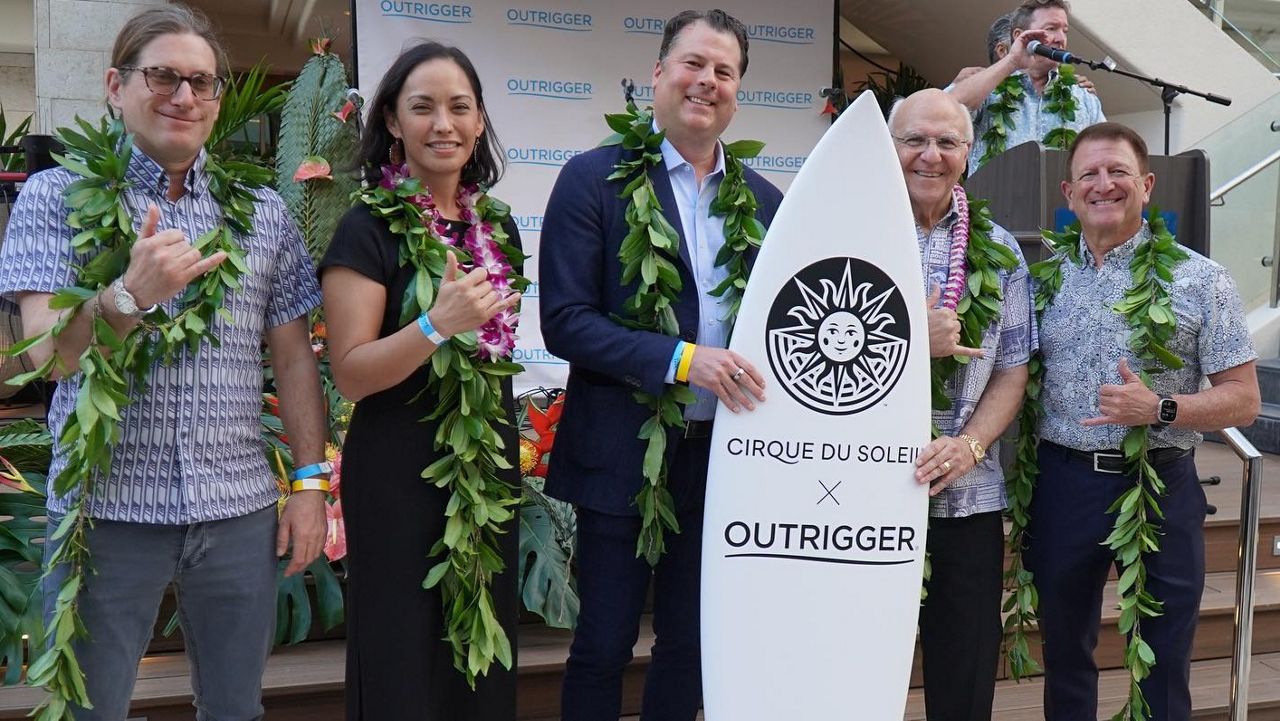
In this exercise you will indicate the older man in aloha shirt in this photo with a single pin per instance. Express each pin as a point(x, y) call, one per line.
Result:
point(1032, 121)
point(960, 618)
point(1082, 342)
point(1008, 344)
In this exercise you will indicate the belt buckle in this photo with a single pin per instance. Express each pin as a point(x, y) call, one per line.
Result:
point(1102, 454)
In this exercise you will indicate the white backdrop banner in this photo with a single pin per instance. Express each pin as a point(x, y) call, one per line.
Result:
point(552, 70)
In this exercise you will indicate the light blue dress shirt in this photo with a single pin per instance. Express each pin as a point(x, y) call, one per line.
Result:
point(703, 236)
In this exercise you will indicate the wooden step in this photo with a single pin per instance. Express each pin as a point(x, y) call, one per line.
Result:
point(1210, 684)
point(308, 678)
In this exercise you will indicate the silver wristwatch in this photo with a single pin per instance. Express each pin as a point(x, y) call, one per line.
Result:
point(125, 302)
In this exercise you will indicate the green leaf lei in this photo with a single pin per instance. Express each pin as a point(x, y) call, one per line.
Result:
point(470, 411)
point(100, 156)
point(979, 305)
point(1147, 309)
point(648, 252)
point(1010, 94)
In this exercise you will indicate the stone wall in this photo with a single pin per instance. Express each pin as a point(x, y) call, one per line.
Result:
point(17, 86)
point(73, 49)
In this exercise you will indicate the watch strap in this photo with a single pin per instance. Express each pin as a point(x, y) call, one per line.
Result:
point(975, 447)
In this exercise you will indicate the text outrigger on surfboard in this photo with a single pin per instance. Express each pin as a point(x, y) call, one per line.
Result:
point(778, 538)
point(792, 452)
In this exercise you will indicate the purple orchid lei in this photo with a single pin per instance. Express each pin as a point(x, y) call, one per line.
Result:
point(496, 339)
point(957, 268)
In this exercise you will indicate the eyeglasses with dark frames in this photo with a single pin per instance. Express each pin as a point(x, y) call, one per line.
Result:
point(165, 81)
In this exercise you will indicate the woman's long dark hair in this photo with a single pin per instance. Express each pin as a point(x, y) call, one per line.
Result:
point(484, 168)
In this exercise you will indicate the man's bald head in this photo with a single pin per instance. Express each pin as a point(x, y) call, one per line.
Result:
point(932, 102)
point(932, 134)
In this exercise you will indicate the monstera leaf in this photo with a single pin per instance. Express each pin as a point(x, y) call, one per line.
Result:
point(546, 582)
point(293, 602)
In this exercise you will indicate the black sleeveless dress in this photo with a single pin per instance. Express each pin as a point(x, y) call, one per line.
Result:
point(398, 666)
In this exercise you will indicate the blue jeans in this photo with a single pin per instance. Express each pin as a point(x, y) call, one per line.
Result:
point(224, 573)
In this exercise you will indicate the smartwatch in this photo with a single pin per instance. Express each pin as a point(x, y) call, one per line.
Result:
point(1167, 411)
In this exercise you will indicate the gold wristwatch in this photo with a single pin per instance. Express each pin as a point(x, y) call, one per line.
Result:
point(979, 452)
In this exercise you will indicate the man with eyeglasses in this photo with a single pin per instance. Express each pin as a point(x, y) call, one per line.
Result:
point(1034, 117)
point(189, 498)
point(960, 624)
point(1092, 396)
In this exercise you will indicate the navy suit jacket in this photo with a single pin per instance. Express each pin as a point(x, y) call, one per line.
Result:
point(597, 458)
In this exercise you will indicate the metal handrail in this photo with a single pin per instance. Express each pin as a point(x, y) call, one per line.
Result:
point(1250, 507)
point(1240, 32)
point(1235, 182)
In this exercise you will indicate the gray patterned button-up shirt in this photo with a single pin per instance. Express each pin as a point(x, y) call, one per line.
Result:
point(1032, 121)
point(1083, 340)
point(1008, 342)
point(191, 448)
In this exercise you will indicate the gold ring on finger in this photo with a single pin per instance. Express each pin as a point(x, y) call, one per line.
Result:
point(737, 374)
point(946, 466)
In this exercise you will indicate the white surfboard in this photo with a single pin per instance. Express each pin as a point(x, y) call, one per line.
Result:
point(813, 542)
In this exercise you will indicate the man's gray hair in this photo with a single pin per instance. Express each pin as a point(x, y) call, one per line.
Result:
point(968, 119)
point(1001, 31)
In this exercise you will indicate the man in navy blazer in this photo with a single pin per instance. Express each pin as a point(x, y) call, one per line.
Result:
point(598, 457)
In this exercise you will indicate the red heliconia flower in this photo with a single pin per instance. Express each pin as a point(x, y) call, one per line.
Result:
point(544, 423)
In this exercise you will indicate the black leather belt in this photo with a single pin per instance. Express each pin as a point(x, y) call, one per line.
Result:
point(1112, 461)
point(697, 429)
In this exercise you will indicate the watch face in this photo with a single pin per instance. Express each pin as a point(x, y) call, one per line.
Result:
point(1168, 410)
point(125, 302)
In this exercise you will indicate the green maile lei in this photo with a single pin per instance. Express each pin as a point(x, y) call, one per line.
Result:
point(649, 252)
point(1147, 309)
point(105, 234)
point(1010, 94)
point(470, 412)
point(979, 294)
point(980, 298)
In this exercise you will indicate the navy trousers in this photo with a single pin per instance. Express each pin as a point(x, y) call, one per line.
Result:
point(612, 585)
point(1069, 521)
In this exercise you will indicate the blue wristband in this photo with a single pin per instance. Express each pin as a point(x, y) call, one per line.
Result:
point(311, 470)
point(428, 330)
point(675, 362)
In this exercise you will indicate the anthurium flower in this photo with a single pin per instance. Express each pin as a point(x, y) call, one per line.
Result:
point(312, 167)
point(345, 112)
point(335, 538)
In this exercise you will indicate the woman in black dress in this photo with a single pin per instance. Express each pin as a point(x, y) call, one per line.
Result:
point(428, 114)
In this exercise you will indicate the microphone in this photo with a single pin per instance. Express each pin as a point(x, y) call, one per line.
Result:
point(354, 96)
point(1035, 47)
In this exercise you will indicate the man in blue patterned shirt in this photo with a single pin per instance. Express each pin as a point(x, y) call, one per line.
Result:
point(1045, 21)
point(189, 498)
point(1092, 397)
point(960, 620)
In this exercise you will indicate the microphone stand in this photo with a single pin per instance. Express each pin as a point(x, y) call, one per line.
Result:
point(1168, 90)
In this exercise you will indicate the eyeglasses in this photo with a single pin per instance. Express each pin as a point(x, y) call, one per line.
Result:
point(165, 81)
point(1119, 175)
point(946, 143)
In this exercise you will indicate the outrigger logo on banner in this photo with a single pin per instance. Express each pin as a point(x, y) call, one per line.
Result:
point(837, 336)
